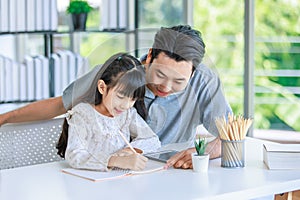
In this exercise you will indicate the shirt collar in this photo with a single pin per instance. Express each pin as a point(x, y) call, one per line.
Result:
point(149, 94)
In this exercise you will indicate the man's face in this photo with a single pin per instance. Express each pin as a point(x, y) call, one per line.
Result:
point(165, 76)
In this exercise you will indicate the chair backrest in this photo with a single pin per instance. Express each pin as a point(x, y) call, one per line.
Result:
point(31, 143)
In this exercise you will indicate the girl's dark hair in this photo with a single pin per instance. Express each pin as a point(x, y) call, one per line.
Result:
point(122, 71)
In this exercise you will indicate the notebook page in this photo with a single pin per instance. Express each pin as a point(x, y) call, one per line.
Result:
point(152, 166)
point(95, 175)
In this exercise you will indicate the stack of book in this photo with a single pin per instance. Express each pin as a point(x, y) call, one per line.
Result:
point(31, 80)
point(114, 14)
point(28, 15)
point(281, 156)
point(66, 66)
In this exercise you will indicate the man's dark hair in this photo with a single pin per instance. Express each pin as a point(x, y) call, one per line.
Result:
point(179, 43)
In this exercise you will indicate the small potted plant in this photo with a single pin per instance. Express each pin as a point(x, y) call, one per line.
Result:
point(79, 10)
point(200, 160)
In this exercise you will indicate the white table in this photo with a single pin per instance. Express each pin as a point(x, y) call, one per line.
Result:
point(45, 181)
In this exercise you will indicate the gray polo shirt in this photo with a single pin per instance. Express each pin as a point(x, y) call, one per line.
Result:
point(174, 118)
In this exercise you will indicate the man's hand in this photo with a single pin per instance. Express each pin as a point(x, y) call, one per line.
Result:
point(183, 159)
point(214, 148)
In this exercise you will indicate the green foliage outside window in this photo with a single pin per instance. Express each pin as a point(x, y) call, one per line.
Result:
point(276, 48)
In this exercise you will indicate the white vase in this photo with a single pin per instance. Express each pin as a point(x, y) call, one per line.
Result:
point(200, 163)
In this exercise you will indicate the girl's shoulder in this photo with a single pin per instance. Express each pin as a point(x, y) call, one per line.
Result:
point(83, 108)
point(132, 114)
point(127, 115)
point(132, 111)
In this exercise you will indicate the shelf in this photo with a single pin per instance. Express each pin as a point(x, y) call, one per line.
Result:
point(28, 32)
point(69, 32)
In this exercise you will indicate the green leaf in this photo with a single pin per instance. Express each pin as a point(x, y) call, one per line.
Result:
point(79, 6)
point(200, 146)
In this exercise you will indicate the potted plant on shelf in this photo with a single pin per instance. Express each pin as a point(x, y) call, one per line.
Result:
point(200, 160)
point(79, 10)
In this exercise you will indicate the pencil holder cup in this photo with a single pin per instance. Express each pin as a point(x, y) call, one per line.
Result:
point(233, 153)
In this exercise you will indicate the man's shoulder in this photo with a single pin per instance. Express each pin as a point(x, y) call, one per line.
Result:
point(205, 74)
point(205, 70)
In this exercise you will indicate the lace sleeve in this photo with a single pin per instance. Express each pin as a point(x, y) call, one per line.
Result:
point(81, 151)
point(143, 136)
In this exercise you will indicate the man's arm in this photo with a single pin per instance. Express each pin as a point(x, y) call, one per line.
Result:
point(39, 110)
point(183, 159)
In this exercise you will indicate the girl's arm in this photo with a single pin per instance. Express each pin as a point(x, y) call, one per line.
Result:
point(142, 135)
point(82, 151)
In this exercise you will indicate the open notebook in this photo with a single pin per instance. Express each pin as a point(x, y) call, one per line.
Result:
point(152, 166)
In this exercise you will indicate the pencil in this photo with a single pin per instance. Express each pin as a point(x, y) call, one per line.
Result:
point(126, 141)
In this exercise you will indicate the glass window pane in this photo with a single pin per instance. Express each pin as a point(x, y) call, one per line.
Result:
point(154, 14)
point(276, 70)
point(157, 13)
point(277, 74)
point(98, 47)
point(222, 32)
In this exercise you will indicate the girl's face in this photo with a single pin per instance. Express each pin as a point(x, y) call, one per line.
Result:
point(113, 101)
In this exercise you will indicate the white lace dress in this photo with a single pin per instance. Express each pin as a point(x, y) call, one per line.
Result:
point(93, 137)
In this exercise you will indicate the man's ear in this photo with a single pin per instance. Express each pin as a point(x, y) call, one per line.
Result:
point(149, 56)
point(102, 86)
point(193, 73)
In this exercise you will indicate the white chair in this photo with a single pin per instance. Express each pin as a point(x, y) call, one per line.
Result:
point(31, 143)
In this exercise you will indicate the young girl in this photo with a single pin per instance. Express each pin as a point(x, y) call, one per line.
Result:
point(91, 136)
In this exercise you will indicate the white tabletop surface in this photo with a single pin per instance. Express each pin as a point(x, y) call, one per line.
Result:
point(46, 181)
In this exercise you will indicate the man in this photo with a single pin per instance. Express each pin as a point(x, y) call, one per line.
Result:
point(181, 93)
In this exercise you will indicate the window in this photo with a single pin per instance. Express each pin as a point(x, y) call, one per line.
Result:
point(276, 71)
point(153, 14)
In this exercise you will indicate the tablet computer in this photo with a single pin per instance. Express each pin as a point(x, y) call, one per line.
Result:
point(161, 156)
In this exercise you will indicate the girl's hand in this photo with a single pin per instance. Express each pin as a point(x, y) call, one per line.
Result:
point(133, 161)
point(127, 151)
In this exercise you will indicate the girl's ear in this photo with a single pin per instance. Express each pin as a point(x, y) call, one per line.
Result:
point(102, 86)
